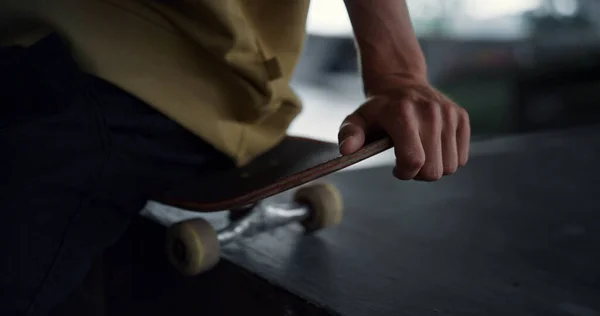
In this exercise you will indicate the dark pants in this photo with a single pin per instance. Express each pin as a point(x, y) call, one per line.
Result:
point(79, 158)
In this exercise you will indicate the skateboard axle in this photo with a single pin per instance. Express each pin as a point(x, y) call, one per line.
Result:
point(194, 245)
point(263, 217)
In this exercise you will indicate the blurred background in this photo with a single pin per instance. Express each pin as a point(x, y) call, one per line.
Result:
point(517, 66)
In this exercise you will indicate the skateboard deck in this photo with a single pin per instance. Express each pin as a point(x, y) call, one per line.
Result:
point(294, 162)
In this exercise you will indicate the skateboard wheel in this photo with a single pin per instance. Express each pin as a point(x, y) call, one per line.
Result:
point(192, 246)
point(325, 203)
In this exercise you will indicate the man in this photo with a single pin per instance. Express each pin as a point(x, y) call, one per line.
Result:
point(106, 103)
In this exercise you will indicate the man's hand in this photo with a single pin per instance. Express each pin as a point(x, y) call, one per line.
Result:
point(431, 134)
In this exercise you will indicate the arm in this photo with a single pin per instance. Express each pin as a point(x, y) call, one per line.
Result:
point(430, 132)
point(386, 41)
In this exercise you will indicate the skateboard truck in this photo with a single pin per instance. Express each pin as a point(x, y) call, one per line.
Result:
point(262, 217)
point(193, 246)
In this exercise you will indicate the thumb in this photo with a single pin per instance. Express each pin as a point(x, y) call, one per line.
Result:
point(351, 136)
point(353, 130)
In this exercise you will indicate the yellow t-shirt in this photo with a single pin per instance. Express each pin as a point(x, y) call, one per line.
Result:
point(220, 68)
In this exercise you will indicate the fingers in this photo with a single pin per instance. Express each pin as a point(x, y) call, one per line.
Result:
point(431, 137)
point(463, 137)
point(404, 131)
point(449, 142)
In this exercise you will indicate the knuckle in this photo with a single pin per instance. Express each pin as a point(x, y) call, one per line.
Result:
point(463, 114)
point(415, 162)
point(432, 111)
point(449, 112)
point(447, 108)
point(450, 116)
point(401, 114)
point(402, 108)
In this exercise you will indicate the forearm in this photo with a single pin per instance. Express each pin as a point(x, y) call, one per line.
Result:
point(386, 41)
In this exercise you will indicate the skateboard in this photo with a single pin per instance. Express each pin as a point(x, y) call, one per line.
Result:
point(193, 246)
